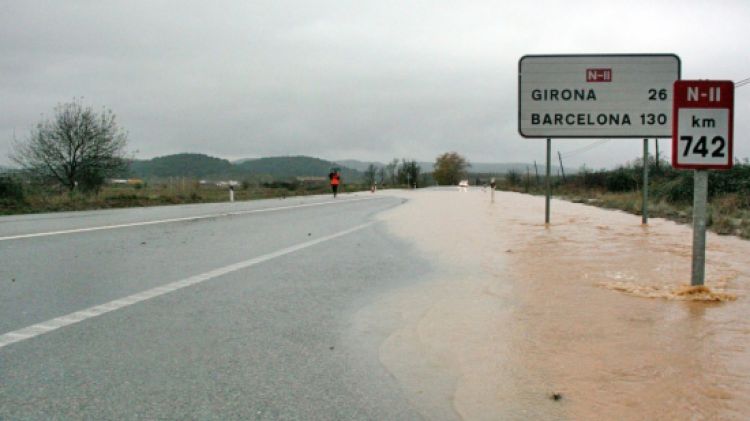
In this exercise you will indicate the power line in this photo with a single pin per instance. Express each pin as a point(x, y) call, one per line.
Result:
point(742, 82)
point(585, 148)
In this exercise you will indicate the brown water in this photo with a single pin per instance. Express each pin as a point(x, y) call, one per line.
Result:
point(593, 308)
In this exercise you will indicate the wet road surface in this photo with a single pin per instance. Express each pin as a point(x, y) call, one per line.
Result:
point(269, 340)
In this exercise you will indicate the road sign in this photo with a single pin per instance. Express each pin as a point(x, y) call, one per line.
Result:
point(702, 133)
point(610, 96)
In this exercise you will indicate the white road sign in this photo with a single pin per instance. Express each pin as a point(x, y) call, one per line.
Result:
point(602, 96)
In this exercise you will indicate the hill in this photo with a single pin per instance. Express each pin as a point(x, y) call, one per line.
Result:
point(493, 167)
point(360, 166)
point(182, 165)
point(285, 167)
point(207, 167)
point(504, 168)
point(294, 166)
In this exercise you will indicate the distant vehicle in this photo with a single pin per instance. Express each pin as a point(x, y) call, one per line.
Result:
point(463, 185)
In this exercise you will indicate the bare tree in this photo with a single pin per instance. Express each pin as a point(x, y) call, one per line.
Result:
point(391, 170)
point(408, 173)
point(77, 148)
point(370, 174)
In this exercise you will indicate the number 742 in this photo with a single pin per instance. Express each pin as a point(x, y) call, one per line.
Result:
point(700, 147)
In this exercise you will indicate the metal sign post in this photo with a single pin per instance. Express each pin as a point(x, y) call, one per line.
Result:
point(644, 204)
point(595, 96)
point(700, 197)
point(702, 139)
point(548, 184)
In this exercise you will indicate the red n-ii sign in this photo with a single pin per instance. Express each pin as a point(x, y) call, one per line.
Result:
point(702, 124)
point(598, 75)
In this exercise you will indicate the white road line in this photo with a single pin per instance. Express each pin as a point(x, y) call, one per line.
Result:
point(187, 218)
point(81, 315)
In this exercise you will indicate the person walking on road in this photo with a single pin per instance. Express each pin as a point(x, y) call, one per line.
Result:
point(335, 178)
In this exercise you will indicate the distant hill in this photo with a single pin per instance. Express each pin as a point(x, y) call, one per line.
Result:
point(476, 167)
point(502, 168)
point(295, 166)
point(360, 166)
point(182, 165)
point(487, 167)
point(284, 167)
point(208, 167)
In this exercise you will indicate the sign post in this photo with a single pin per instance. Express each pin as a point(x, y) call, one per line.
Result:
point(548, 182)
point(700, 199)
point(644, 204)
point(702, 139)
point(595, 96)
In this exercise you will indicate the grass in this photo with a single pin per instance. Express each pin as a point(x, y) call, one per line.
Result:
point(728, 213)
point(40, 200)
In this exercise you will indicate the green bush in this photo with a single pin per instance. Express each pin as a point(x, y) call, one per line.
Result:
point(10, 189)
point(513, 177)
point(621, 180)
point(289, 185)
point(736, 180)
point(676, 190)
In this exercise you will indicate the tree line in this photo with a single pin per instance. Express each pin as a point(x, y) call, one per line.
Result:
point(79, 148)
point(449, 168)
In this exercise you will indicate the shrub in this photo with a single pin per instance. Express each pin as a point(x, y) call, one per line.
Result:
point(513, 177)
point(10, 189)
point(677, 190)
point(621, 180)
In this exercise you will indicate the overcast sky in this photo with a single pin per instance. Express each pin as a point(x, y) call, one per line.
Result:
point(368, 80)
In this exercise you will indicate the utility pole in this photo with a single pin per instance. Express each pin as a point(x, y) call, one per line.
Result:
point(528, 177)
point(536, 171)
point(561, 165)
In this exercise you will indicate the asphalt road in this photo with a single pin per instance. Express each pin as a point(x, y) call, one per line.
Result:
point(220, 311)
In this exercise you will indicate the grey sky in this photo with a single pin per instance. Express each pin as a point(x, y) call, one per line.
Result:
point(340, 79)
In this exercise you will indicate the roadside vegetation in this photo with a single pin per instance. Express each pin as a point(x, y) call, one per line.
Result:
point(18, 197)
point(21, 192)
point(77, 160)
point(670, 192)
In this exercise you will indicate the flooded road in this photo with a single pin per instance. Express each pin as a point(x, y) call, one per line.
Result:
point(583, 319)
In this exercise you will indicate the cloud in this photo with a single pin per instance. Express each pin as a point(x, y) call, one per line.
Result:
point(335, 79)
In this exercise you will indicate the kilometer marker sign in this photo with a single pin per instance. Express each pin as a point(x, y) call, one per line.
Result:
point(702, 140)
point(702, 131)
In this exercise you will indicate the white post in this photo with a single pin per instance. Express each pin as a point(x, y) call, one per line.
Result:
point(231, 193)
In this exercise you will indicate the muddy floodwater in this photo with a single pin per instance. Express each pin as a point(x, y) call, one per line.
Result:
point(587, 318)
